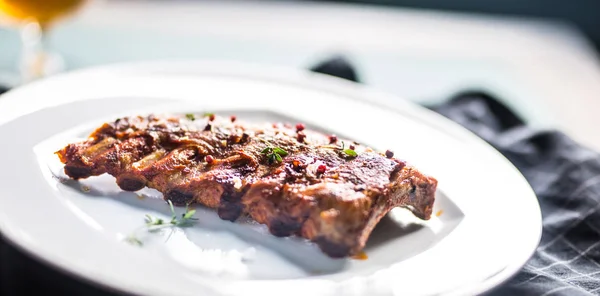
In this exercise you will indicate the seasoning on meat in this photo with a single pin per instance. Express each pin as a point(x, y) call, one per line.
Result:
point(308, 187)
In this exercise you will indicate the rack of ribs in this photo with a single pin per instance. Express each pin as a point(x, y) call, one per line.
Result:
point(293, 180)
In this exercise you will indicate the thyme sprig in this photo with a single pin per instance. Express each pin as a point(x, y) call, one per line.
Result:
point(154, 224)
point(349, 152)
point(132, 239)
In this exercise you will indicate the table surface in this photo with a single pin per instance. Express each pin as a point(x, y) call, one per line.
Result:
point(546, 70)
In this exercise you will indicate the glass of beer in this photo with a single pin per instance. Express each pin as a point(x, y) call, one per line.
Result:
point(35, 18)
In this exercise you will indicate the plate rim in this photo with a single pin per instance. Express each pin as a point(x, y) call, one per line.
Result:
point(304, 79)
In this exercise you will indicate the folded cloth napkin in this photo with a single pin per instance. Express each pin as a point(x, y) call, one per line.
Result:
point(564, 175)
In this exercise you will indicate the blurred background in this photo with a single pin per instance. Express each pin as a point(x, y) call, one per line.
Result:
point(539, 56)
point(582, 13)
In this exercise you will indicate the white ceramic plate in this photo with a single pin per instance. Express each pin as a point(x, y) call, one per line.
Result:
point(489, 226)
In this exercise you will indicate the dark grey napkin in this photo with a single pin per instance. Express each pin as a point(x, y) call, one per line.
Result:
point(566, 179)
point(564, 175)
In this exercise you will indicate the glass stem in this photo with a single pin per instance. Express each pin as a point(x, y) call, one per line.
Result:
point(33, 53)
point(37, 61)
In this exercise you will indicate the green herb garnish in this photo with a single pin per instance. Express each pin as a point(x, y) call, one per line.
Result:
point(208, 114)
point(154, 224)
point(153, 221)
point(190, 116)
point(348, 152)
point(133, 240)
point(274, 154)
point(189, 214)
point(186, 218)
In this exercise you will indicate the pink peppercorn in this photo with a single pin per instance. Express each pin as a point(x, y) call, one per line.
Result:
point(332, 139)
point(321, 169)
point(389, 154)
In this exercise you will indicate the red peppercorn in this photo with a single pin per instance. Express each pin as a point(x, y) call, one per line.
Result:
point(389, 153)
point(209, 159)
point(300, 127)
point(321, 169)
point(332, 139)
point(233, 118)
point(211, 117)
point(351, 147)
point(300, 136)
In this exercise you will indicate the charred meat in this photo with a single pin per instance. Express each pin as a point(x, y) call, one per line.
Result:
point(293, 180)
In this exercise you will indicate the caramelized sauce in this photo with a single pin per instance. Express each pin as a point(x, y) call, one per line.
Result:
point(360, 256)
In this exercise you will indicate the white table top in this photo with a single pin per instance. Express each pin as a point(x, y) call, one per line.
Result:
point(546, 71)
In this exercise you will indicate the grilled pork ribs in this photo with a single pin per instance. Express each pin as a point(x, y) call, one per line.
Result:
point(296, 181)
